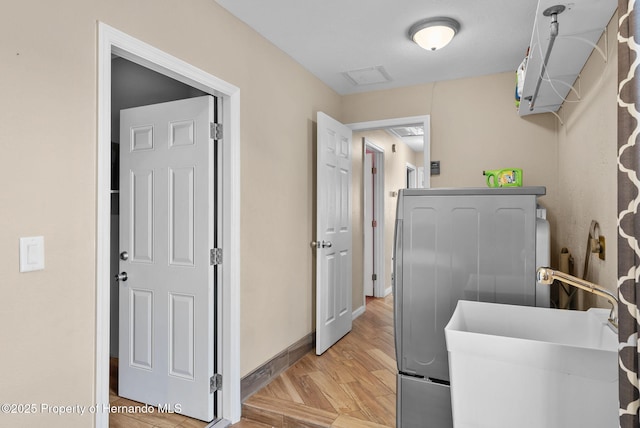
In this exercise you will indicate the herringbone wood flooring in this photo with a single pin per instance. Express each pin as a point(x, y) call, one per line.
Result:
point(353, 384)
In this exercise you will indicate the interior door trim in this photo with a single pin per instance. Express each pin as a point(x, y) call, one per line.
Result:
point(380, 289)
point(114, 42)
point(403, 121)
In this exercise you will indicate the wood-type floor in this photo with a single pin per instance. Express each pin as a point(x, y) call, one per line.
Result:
point(352, 385)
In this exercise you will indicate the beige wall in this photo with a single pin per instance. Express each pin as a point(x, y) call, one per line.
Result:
point(474, 126)
point(277, 155)
point(48, 136)
point(587, 164)
point(394, 179)
point(48, 140)
point(48, 146)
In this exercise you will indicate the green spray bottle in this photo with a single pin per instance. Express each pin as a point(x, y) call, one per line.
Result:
point(509, 177)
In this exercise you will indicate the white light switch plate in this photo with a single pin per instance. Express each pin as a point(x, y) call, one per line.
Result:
point(31, 253)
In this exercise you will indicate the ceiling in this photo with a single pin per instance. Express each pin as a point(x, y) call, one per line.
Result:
point(331, 37)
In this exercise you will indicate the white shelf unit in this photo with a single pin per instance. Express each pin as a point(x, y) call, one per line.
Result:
point(580, 26)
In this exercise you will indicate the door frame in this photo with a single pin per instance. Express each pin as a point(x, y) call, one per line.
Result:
point(114, 42)
point(387, 123)
point(412, 176)
point(403, 121)
point(379, 289)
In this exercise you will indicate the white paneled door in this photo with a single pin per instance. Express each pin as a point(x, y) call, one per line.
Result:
point(333, 233)
point(166, 331)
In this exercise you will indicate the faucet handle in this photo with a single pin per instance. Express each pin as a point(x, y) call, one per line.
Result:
point(544, 276)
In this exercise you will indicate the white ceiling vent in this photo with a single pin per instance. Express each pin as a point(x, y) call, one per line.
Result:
point(407, 131)
point(411, 135)
point(367, 76)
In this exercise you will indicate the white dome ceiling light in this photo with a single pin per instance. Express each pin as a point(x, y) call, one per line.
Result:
point(434, 33)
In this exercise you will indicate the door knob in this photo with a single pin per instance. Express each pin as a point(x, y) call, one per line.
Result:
point(122, 276)
point(124, 255)
point(321, 244)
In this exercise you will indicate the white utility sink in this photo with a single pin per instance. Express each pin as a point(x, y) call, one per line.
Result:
point(521, 366)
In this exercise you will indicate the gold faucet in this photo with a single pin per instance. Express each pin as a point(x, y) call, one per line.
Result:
point(546, 276)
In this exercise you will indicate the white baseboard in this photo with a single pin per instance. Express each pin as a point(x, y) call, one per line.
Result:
point(358, 311)
point(388, 291)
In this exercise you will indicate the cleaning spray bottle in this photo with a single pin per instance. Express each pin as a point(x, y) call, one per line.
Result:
point(509, 177)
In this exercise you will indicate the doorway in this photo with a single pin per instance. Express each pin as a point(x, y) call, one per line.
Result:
point(383, 279)
point(412, 176)
point(374, 220)
point(115, 43)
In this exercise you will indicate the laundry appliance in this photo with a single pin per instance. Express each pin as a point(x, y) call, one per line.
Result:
point(481, 244)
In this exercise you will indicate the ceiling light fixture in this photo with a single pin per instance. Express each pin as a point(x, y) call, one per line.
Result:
point(434, 33)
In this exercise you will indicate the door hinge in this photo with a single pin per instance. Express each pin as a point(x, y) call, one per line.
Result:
point(374, 170)
point(374, 223)
point(374, 277)
point(215, 129)
point(215, 383)
point(215, 256)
